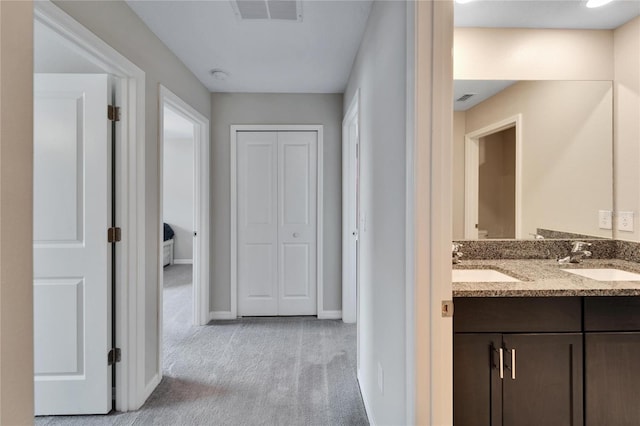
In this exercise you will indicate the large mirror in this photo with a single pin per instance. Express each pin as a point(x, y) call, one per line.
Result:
point(533, 158)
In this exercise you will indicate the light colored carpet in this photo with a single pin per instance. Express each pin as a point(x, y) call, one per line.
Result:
point(252, 371)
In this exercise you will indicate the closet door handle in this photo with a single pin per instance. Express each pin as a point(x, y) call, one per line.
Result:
point(501, 352)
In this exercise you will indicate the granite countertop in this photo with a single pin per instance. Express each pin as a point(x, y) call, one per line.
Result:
point(542, 278)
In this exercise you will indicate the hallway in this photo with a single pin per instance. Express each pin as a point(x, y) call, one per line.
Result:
point(252, 371)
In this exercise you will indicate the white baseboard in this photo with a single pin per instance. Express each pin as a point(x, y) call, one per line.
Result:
point(149, 388)
point(365, 400)
point(183, 261)
point(221, 315)
point(330, 315)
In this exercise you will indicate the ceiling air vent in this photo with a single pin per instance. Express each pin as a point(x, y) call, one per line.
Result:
point(465, 97)
point(282, 10)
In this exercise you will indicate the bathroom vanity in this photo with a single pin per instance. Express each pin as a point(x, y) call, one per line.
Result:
point(554, 348)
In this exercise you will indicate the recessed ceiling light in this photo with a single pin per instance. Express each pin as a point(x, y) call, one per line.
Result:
point(463, 1)
point(219, 74)
point(597, 3)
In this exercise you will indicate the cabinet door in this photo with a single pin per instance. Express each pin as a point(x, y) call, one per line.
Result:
point(477, 388)
point(548, 388)
point(611, 378)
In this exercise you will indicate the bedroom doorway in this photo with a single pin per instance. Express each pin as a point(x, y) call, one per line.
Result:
point(179, 234)
point(184, 228)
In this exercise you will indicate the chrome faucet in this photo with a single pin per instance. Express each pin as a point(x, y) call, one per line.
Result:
point(578, 252)
point(456, 254)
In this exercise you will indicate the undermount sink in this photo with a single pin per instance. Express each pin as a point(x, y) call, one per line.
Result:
point(605, 274)
point(480, 276)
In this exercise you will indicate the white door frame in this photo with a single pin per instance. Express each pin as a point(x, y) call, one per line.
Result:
point(322, 314)
point(201, 149)
point(429, 372)
point(472, 179)
point(131, 391)
point(350, 259)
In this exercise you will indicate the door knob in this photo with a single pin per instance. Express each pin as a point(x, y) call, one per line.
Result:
point(296, 235)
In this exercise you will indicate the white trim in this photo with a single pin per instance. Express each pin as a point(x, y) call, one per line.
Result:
point(430, 204)
point(221, 315)
point(151, 386)
point(349, 208)
point(184, 262)
point(330, 315)
point(366, 402)
point(234, 129)
point(471, 181)
point(130, 186)
point(201, 149)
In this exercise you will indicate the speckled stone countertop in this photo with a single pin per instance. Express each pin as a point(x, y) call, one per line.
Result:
point(543, 278)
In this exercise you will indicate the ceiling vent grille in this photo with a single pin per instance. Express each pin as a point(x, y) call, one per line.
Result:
point(281, 10)
point(465, 97)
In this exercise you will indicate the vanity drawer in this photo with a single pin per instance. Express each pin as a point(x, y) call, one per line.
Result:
point(517, 314)
point(612, 313)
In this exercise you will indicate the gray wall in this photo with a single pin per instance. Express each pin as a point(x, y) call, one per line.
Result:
point(380, 72)
point(116, 24)
point(269, 108)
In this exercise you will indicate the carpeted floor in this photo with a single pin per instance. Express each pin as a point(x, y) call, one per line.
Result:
point(252, 371)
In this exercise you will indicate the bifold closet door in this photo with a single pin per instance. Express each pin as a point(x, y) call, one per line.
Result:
point(277, 223)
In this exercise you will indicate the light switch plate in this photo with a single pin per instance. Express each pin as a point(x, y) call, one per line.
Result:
point(625, 221)
point(604, 219)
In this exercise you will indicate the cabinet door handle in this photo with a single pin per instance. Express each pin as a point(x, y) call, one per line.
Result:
point(512, 367)
point(501, 352)
point(513, 363)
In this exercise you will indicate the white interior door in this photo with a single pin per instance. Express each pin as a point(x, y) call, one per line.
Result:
point(277, 185)
point(72, 263)
point(297, 175)
point(350, 216)
point(257, 223)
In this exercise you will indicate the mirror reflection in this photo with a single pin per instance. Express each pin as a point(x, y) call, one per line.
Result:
point(532, 158)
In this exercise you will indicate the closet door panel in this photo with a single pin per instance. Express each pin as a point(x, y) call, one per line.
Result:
point(297, 227)
point(257, 223)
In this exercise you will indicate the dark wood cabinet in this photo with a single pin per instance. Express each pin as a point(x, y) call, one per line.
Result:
point(540, 378)
point(612, 361)
point(477, 388)
point(577, 361)
point(548, 386)
point(612, 379)
point(539, 381)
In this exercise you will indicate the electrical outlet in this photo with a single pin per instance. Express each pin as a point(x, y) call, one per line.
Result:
point(625, 221)
point(380, 379)
point(604, 219)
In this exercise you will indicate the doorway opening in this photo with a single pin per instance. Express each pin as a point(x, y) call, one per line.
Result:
point(65, 49)
point(493, 179)
point(184, 209)
point(178, 218)
point(497, 185)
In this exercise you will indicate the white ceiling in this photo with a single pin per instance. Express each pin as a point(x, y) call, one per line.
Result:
point(570, 14)
point(312, 56)
point(481, 90)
